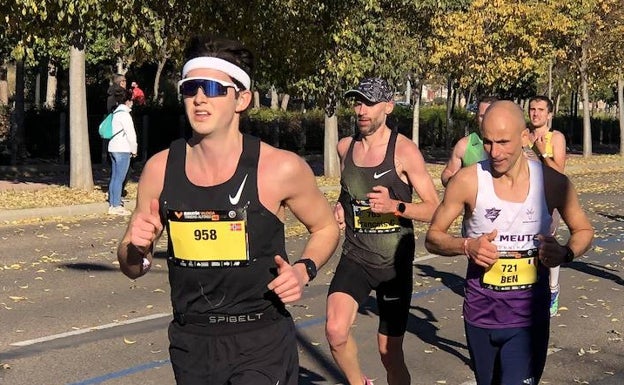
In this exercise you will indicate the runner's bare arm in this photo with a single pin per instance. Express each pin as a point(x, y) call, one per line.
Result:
point(294, 183)
point(412, 164)
point(455, 161)
point(438, 240)
point(558, 159)
point(309, 205)
point(568, 205)
point(144, 227)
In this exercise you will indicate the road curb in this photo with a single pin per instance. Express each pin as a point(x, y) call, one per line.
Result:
point(63, 211)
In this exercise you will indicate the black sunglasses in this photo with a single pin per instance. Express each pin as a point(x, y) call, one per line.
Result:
point(210, 87)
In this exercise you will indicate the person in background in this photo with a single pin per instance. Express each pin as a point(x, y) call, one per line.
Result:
point(116, 93)
point(469, 149)
point(549, 147)
point(223, 196)
point(138, 96)
point(121, 148)
point(380, 168)
point(507, 203)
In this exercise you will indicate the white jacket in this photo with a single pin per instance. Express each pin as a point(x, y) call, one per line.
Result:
point(125, 141)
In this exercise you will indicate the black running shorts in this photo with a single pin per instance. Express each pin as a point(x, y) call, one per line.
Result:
point(264, 356)
point(393, 287)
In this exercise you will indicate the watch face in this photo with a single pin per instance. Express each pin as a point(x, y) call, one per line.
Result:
point(310, 267)
point(401, 207)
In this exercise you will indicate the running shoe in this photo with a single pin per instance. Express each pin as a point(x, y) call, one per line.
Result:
point(554, 303)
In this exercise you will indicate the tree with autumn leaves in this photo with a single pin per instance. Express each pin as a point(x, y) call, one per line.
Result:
point(321, 48)
point(499, 46)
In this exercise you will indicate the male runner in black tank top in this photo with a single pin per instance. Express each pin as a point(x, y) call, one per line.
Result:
point(379, 169)
point(222, 196)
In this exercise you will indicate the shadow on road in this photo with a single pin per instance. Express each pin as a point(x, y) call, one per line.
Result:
point(308, 377)
point(597, 271)
point(450, 280)
point(88, 267)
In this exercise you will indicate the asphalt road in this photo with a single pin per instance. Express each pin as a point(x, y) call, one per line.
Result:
point(68, 316)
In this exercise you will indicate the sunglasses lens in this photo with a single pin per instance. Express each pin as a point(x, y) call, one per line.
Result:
point(211, 88)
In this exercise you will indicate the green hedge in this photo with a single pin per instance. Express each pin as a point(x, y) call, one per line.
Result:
point(303, 132)
point(292, 130)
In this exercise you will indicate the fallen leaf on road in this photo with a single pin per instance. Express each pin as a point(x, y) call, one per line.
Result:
point(129, 341)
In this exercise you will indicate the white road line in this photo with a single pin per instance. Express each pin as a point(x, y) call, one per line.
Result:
point(88, 330)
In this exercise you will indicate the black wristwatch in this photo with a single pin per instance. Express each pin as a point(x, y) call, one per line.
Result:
point(569, 257)
point(310, 267)
point(400, 209)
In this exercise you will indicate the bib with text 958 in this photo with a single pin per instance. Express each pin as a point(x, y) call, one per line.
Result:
point(210, 238)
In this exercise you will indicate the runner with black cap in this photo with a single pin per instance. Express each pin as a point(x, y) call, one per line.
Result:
point(380, 169)
point(222, 197)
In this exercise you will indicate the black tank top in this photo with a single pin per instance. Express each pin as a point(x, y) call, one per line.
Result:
point(224, 290)
point(375, 240)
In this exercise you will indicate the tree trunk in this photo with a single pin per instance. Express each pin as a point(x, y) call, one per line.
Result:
point(121, 69)
point(17, 123)
point(620, 96)
point(274, 98)
point(331, 163)
point(256, 99)
point(51, 87)
point(550, 67)
point(80, 171)
point(4, 85)
point(408, 92)
point(285, 99)
point(587, 138)
point(159, 69)
point(38, 88)
point(450, 100)
point(416, 112)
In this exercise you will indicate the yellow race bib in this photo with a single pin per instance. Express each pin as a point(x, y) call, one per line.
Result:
point(514, 270)
point(366, 221)
point(212, 238)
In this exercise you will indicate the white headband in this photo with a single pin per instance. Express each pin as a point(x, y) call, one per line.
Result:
point(215, 63)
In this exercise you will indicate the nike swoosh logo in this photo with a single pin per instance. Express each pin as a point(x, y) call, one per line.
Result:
point(234, 199)
point(377, 176)
point(390, 298)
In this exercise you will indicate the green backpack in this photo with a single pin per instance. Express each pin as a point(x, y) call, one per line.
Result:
point(106, 127)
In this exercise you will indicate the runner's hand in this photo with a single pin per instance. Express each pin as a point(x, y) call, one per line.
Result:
point(482, 251)
point(145, 228)
point(288, 285)
point(339, 215)
point(380, 200)
point(551, 253)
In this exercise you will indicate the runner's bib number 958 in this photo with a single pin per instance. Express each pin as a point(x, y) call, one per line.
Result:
point(211, 238)
point(514, 270)
point(366, 221)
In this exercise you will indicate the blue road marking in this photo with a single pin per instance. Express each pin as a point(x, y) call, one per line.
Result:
point(122, 373)
point(156, 364)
